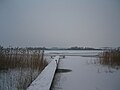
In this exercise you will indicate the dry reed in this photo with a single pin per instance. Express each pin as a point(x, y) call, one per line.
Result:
point(110, 58)
point(26, 64)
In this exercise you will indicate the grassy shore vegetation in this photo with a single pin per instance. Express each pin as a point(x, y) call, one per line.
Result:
point(19, 67)
point(110, 58)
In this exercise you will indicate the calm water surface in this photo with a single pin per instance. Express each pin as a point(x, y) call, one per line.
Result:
point(84, 73)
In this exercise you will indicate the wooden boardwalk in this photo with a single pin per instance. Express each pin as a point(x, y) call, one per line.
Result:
point(44, 80)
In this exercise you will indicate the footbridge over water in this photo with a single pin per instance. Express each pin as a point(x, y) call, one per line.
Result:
point(44, 80)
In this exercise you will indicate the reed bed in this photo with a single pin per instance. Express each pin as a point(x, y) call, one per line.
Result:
point(19, 67)
point(110, 58)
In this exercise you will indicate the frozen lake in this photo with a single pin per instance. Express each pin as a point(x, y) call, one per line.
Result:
point(79, 70)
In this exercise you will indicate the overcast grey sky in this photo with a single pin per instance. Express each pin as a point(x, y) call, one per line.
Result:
point(62, 23)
